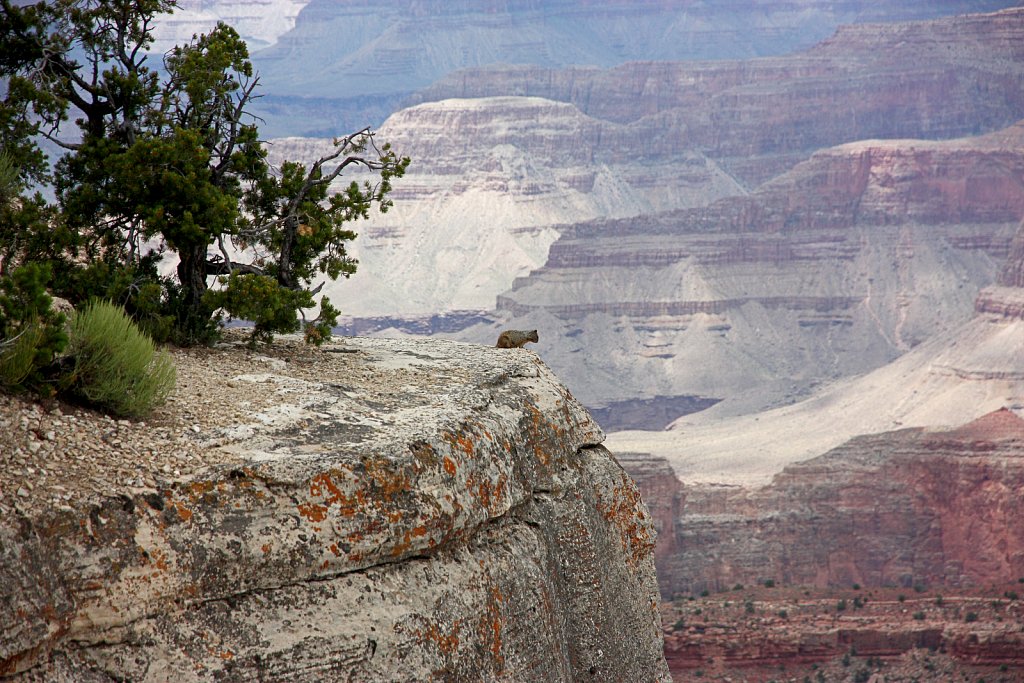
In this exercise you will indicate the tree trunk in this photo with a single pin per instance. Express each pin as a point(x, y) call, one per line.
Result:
point(193, 316)
point(285, 276)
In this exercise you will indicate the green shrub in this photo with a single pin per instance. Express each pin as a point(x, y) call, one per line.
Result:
point(116, 366)
point(31, 333)
point(919, 616)
point(971, 616)
point(271, 307)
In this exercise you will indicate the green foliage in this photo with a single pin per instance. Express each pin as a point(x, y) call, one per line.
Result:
point(271, 307)
point(260, 299)
point(28, 229)
point(116, 366)
point(919, 616)
point(31, 333)
point(971, 616)
point(841, 605)
point(318, 331)
point(174, 160)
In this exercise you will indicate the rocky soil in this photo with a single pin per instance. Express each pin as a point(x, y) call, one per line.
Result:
point(45, 445)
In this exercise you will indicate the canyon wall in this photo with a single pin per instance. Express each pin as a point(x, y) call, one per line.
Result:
point(945, 78)
point(816, 494)
point(318, 83)
point(610, 209)
point(834, 268)
point(418, 510)
point(935, 508)
point(491, 183)
point(817, 533)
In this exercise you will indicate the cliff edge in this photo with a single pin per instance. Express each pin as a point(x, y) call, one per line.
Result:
point(392, 510)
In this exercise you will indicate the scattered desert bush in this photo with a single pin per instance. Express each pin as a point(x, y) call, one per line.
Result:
point(116, 366)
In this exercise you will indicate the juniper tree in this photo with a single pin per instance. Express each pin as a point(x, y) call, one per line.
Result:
point(175, 160)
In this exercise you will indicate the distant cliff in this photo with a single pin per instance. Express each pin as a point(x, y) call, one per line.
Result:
point(491, 183)
point(944, 78)
point(929, 507)
point(834, 268)
point(318, 84)
point(395, 511)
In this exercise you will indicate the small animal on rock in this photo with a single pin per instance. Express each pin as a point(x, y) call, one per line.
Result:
point(514, 339)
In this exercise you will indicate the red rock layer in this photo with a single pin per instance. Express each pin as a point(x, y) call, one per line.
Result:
point(902, 508)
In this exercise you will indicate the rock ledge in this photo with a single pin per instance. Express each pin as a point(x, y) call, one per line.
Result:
point(420, 510)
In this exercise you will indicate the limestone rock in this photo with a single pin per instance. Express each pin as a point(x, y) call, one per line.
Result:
point(434, 511)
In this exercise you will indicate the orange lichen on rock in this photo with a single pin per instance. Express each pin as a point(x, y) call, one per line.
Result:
point(626, 511)
point(446, 643)
point(313, 512)
point(493, 623)
point(460, 442)
point(449, 466)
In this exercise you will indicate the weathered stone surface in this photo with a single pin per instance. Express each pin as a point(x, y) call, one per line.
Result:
point(435, 511)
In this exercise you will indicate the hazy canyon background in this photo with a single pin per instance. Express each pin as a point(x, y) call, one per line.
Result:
point(805, 215)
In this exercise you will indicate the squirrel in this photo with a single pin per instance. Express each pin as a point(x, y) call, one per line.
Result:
point(515, 339)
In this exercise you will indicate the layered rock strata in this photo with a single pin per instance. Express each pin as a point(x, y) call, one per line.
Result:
point(424, 511)
point(750, 633)
point(834, 268)
point(942, 78)
point(491, 183)
point(321, 85)
point(905, 508)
